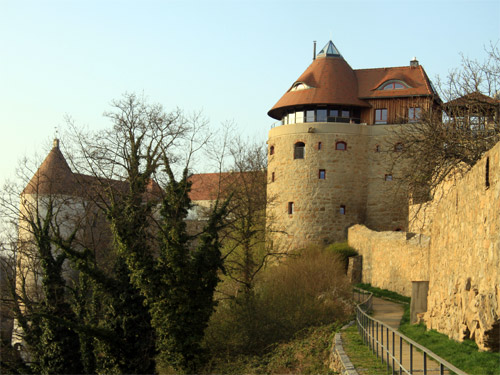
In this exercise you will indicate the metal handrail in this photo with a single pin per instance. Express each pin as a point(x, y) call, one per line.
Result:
point(372, 334)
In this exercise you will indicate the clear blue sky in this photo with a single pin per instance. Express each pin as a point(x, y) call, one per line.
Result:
point(231, 59)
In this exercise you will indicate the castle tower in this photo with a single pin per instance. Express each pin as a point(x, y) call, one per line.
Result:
point(329, 161)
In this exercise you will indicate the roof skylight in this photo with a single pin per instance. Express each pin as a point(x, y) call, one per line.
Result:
point(329, 50)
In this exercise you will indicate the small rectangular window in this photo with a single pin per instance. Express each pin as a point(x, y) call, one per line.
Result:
point(345, 114)
point(334, 113)
point(381, 116)
point(319, 145)
point(272, 177)
point(322, 174)
point(309, 116)
point(342, 210)
point(388, 177)
point(291, 118)
point(290, 208)
point(321, 115)
point(299, 117)
point(413, 114)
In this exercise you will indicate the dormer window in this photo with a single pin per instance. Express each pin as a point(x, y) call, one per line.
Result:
point(393, 85)
point(299, 86)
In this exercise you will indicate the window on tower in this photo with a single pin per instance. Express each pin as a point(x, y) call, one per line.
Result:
point(342, 146)
point(290, 208)
point(322, 174)
point(299, 150)
point(321, 115)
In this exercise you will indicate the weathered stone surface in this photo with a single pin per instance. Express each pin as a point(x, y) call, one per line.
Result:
point(461, 258)
point(390, 260)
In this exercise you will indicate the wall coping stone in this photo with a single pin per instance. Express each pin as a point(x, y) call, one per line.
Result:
point(339, 358)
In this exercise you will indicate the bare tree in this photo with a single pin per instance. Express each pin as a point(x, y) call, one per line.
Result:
point(452, 138)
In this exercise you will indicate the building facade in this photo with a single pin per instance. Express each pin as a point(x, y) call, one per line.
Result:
point(331, 160)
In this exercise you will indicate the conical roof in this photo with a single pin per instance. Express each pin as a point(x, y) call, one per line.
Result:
point(328, 80)
point(54, 176)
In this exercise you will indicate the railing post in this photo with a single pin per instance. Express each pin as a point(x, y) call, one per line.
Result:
point(425, 363)
point(393, 352)
point(411, 358)
point(381, 344)
point(377, 339)
point(387, 346)
point(400, 355)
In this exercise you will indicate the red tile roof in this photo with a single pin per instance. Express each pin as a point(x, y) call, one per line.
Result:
point(332, 81)
point(369, 80)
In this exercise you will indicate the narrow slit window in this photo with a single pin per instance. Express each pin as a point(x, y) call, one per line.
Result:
point(272, 177)
point(342, 210)
point(487, 173)
point(319, 145)
point(271, 150)
point(322, 174)
point(290, 208)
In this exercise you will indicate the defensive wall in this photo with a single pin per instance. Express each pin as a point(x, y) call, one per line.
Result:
point(458, 254)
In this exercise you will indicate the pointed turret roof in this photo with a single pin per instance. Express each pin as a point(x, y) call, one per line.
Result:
point(328, 80)
point(54, 176)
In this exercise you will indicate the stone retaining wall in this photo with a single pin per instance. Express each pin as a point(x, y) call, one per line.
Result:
point(391, 260)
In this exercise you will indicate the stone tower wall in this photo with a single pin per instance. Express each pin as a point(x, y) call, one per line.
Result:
point(355, 178)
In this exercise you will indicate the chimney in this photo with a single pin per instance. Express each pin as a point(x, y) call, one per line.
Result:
point(56, 143)
point(414, 62)
point(314, 50)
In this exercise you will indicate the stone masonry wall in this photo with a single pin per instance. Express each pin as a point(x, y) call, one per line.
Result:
point(461, 260)
point(464, 287)
point(391, 260)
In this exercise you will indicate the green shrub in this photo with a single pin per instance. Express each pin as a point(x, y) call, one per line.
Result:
point(344, 251)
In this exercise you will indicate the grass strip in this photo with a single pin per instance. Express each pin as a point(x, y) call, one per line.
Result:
point(365, 362)
point(464, 355)
point(384, 293)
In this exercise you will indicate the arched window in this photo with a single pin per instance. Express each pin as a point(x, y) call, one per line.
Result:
point(299, 150)
point(299, 86)
point(393, 85)
point(398, 147)
point(271, 150)
point(342, 146)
